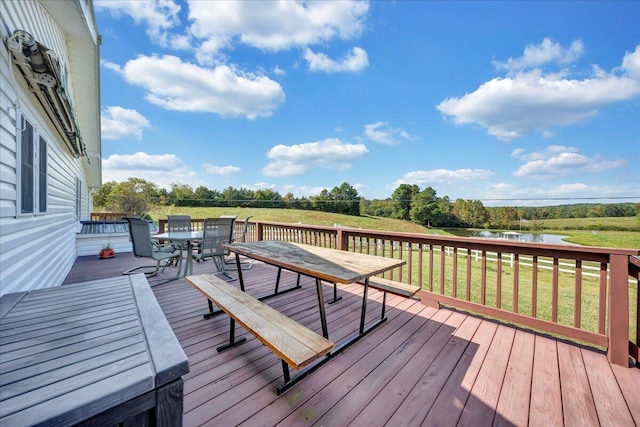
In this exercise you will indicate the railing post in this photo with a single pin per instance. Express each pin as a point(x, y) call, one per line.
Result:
point(618, 313)
point(259, 231)
point(342, 241)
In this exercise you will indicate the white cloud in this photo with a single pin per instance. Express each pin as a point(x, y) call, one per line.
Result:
point(276, 26)
point(557, 161)
point(382, 133)
point(110, 66)
point(296, 159)
point(301, 190)
point(221, 170)
point(631, 63)
point(501, 194)
point(442, 177)
point(533, 101)
point(159, 16)
point(259, 186)
point(176, 85)
point(161, 169)
point(121, 123)
point(545, 53)
point(354, 61)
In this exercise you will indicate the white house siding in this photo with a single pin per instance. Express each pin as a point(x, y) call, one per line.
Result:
point(36, 251)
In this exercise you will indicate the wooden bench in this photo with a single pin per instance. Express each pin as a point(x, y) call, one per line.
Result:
point(394, 287)
point(296, 345)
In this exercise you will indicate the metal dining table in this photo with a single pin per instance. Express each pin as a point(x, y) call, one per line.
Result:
point(330, 265)
point(182, 238)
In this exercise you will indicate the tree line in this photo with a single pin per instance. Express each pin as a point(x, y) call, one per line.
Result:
point(407, 202)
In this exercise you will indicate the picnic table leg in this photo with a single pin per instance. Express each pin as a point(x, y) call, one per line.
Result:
point(323, 315)
point(336, 298)
point(363, 311)
point(239, 272)
point(275, 292)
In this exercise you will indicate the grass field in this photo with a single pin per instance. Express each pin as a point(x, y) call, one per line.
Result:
point(629, 223)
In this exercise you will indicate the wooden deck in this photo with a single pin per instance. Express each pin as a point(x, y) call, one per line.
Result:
point(422, 367)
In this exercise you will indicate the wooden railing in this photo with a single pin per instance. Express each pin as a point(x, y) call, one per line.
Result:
point(586, 294)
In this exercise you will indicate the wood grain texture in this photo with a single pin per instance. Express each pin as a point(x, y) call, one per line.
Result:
point(327, 264)
point(294, 343)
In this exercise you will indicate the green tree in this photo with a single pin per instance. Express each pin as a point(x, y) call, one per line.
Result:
point(132, 197)
point(267, 198)
point(424, 207)
point(345, 200)
point(181, 194)
point(471, 213)
point(402, 198)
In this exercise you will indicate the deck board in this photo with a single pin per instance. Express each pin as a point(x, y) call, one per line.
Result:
point(422, 367)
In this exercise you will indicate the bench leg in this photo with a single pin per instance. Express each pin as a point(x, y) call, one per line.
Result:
point(285, 371)
point(289, 380)
point(336, 298)
point(211, 312)
point(232, 337)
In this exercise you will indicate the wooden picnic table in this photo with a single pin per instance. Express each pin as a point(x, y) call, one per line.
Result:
point(99, 352)
point(330, 265)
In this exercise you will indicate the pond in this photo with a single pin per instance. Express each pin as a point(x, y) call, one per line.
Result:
point(555, 239)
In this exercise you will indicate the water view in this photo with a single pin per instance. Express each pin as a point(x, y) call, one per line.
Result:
point(555, 239)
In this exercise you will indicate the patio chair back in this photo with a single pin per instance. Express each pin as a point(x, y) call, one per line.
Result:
point(245, 227)
point(140, 237)
point(178, 223)
point(215, 232)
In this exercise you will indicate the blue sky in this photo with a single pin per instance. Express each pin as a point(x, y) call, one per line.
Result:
point(511, 103)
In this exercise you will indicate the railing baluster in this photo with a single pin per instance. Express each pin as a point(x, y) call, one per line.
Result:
point(442, 267)
point(577, 298)
point(534, 286)
point(554, 292)
point(602, 308)
point(430, 268)
point(420, 257)
point(468, 290)
point(455, 273)
point(516, 282)
point(499, 280)
point(483, 280)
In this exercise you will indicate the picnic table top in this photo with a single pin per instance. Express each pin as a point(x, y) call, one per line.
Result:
point(324, 263)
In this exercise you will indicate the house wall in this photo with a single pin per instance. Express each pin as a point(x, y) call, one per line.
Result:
point(36, 251)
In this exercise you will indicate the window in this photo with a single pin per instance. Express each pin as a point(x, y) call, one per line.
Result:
point(33, 170)
point(78, 199)
point(42, 176)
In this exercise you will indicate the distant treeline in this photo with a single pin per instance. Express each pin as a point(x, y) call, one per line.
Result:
point(408, 202)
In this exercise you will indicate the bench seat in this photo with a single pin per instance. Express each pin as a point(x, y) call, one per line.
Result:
point(295, 344)
point(394, 287)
